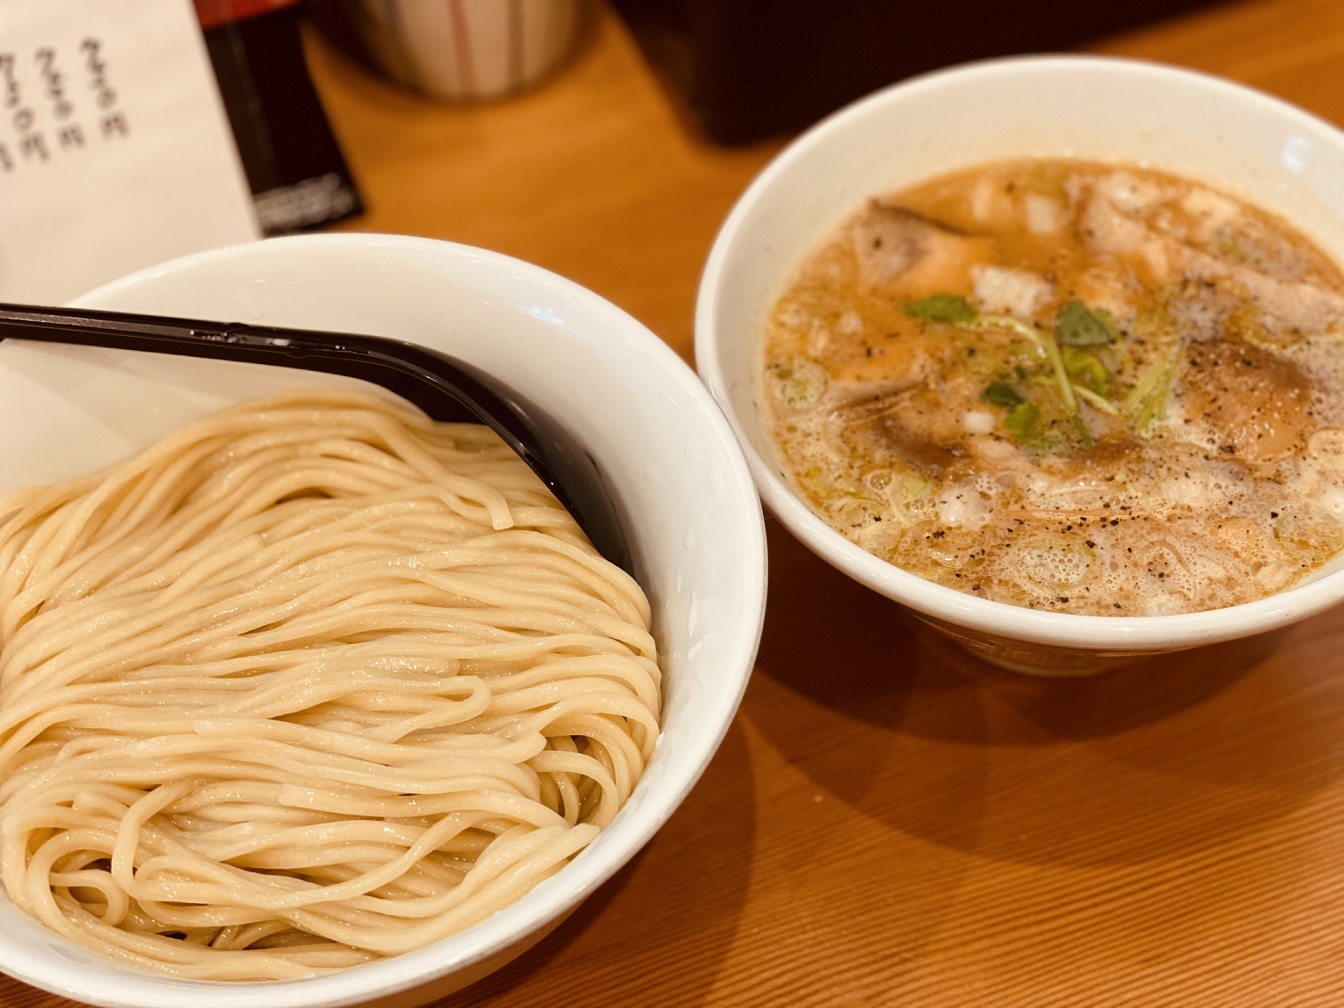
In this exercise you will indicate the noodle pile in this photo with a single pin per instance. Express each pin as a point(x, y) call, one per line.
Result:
point(311, 682)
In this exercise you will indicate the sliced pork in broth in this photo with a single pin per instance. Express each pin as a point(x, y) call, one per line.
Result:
point(1069, 385)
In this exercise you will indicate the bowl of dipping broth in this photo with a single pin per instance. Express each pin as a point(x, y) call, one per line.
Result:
point(318, 703)
point(1047, 350)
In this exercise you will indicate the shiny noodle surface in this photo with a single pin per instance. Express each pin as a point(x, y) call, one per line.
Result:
point(311, 682)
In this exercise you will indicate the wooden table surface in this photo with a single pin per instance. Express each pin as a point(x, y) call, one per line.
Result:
point(890, 822)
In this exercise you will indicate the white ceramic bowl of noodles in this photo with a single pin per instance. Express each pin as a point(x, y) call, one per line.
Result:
point(677, 473)
point(1269, 152)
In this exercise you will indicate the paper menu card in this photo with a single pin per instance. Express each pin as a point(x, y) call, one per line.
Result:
point(115, 152)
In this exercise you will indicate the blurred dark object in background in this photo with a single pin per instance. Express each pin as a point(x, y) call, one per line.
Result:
point(298, 176)
point(751, 69)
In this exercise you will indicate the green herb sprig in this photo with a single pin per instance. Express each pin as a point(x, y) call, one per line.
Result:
point(954, 309)
point(1071, 351)
point(950, 308)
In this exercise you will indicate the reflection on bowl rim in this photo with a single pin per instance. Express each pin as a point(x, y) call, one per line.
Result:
point(1118, 634)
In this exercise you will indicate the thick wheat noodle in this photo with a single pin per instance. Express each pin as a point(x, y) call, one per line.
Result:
point(310, 682)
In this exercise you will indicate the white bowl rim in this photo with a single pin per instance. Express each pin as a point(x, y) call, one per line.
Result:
point(1070, 630)
point(555, 896)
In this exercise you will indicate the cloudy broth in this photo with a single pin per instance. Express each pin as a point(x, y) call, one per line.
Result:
point(1071, 386)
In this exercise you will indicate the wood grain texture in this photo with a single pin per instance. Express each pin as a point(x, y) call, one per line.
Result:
point(890, 822)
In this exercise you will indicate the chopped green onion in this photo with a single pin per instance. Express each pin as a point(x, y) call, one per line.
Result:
point(1086, 366)
point(1146, 403)
point(797, 383)
point(1082, 430)
point(1061, 375)
point(1024, 329)
point(1046, 345)
point(1094, 400)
